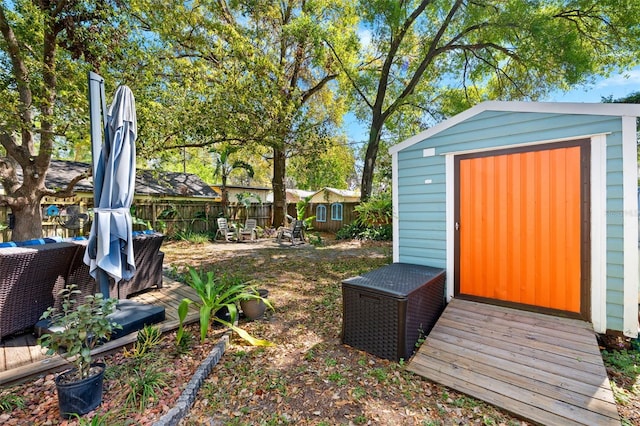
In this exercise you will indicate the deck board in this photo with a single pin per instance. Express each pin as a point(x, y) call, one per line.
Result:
point(20, 356)
point(546, 369)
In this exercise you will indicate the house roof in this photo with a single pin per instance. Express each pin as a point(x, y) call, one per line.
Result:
point(622, 110)
point(244, 187)
point(147, 182)
point(341, 192)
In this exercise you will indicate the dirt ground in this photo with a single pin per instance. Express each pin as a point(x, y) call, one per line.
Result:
point(309, 377)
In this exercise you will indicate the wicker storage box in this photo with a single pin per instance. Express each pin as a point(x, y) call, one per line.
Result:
point(385, 310)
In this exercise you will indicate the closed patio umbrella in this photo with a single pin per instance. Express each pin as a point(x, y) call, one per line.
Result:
point(110, 247)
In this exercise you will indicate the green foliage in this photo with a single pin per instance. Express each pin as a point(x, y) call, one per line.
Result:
point(11, 401)
point(315, 239)
point(144, 381)
point(626, 362)
point(329, 167)
point(355, 231)
point(301, 209)
point(96, 420)
point(192, 237)
point(77, 328)
point(216, 293)
point(376, 211)
point(148, 338)
point(623, 367)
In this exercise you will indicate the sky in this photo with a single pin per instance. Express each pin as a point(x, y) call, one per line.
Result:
point(619, 85)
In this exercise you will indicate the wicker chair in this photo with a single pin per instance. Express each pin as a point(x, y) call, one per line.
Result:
point(29, 277)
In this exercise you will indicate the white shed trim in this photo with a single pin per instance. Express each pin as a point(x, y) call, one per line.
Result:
point(395, 226)
point(630, 211)
point(598, 233)
point(450, 224)
point(631, 110)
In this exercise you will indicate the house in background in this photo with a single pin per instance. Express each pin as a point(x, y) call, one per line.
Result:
point(295, 195)
point(527, 205)
point(333, 208)
point(259, 194)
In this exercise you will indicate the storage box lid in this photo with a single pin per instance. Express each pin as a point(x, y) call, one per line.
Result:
point(397, 279)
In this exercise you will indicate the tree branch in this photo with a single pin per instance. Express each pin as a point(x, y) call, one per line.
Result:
point(68, 190)
point(21, 74)
point(349, 77)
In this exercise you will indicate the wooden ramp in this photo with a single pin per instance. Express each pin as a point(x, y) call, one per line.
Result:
point(542, 368)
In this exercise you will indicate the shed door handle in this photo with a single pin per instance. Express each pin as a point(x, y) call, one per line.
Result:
point(457, 226)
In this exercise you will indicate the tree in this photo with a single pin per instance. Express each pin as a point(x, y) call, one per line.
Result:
point(46, 49)
point(266, 77)
point(439, 58)
point(334, 168)
point(225, 166)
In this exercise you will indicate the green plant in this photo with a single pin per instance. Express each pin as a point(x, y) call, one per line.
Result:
point(97, 420)
point(77, 328)
point(10, 401)
point(148, 338)
point(143, 383)
point(315, 240)
point(301, 209)
point(184, 341)
point(376, 211)
point(358, 393)
point(192, 237)
point(216, 293)
point(360, 419)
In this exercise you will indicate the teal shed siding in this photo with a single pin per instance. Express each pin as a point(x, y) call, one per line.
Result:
point(421, 184)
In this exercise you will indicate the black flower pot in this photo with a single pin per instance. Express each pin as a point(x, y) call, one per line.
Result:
point(223, 314)
point(79, 397)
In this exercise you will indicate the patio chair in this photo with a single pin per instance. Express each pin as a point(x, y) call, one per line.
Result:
point(249, 229)
point(294, 232)
point(224, 231)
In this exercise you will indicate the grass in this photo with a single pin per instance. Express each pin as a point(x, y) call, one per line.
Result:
point(623, 366)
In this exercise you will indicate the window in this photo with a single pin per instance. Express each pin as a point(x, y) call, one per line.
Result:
point(321, 213)
point(336, 211)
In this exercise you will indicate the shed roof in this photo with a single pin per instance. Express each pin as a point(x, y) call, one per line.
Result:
point(147, 182)
point(576, 108)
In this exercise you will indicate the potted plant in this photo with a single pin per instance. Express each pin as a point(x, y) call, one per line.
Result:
point(215, 294)
point(255, 303)
point(74, 330)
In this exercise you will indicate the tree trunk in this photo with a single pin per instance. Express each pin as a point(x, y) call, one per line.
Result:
point(366, 186)
point(279, 191)
point(225, 196)
point(28, 221)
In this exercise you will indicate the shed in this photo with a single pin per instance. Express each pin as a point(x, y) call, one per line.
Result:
point(527, 205)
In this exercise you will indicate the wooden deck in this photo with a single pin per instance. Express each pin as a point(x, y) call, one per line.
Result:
point(21, 357)
point(542, 368)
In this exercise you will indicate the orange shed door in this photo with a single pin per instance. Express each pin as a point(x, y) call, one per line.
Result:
point(519, 219)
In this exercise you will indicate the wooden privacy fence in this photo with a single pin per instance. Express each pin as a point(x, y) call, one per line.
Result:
point(167, 217)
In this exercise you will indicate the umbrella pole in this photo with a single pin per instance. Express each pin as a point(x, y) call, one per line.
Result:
point(102, 279)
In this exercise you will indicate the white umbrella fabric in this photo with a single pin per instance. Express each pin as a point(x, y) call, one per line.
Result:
point(110, 241)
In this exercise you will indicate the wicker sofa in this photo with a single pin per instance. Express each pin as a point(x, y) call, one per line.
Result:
point(31, 277)
point(148, 258)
